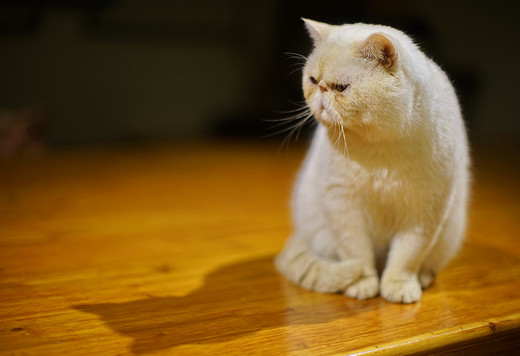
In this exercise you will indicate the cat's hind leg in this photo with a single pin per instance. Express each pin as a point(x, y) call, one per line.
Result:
point(304, 267)
point(448, 243)
point(426, 277)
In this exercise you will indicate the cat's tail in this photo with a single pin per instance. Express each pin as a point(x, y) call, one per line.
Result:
point(301, 266)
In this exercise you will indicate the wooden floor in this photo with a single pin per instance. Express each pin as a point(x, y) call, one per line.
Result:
point(169, 250)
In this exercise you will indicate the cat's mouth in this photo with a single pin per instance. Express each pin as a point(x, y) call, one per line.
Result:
point(327, 115)
point(322, 114)
point(346, 123)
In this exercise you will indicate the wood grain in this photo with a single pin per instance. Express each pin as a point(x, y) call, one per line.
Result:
point(169, 250)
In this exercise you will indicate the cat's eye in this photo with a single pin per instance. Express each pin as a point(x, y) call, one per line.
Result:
point(313, 80)
point(341, 87)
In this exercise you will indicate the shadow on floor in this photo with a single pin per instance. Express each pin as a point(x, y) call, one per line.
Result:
point(234, 300)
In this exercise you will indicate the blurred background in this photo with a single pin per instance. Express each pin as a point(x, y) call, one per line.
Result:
point(105, 72)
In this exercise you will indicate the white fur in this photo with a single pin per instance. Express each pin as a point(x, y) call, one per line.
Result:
point(380, 202)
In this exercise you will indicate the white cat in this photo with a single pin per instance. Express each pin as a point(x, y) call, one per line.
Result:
point(380, 202)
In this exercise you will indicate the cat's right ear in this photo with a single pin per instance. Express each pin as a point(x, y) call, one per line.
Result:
point(318, 31)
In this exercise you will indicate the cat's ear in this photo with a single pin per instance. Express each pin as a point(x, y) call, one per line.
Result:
point(379, 47)
point(318, 31)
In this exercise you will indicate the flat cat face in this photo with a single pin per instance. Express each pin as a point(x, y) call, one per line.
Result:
point(353, 81)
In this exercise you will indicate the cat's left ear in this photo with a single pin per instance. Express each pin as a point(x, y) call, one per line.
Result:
point(379, 47)
point(318, 31)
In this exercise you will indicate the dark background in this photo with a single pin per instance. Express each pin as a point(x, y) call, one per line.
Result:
point(92, 72)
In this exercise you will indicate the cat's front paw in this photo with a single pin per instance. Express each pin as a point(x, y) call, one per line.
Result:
point(364, 288)
point(401, 290)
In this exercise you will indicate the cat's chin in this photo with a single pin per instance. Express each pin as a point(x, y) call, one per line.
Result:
point(330, 125)
point(325, 118)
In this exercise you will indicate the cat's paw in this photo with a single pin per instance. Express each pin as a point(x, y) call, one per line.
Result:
point(364, 288)
point(426, 278)
point(330, 277)
point(401, 290)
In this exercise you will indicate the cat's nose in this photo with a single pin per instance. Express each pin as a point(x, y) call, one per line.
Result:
point(323, 86)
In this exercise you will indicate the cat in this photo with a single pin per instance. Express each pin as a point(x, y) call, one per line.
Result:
point(380, 203)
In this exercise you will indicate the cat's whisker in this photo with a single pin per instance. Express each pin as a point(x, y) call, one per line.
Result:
point(290, 120)
point(301, 103)
point(346, 148)
point(300, 61)
point(293, 55)
point(336, 134)
point(337, 121)
point(300, 109)
point(303, 121)
point(295, 130)
point(284, 127)
point(296, 70)
point(293, 124)
point(339, 137)
point(302, 124)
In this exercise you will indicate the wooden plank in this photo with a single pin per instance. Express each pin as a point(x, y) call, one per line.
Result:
point(170, 250)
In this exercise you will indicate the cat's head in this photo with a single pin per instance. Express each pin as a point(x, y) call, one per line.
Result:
point(355, 79)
